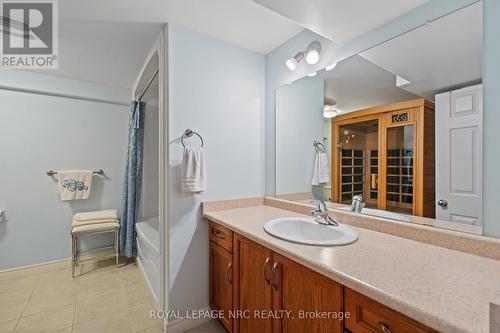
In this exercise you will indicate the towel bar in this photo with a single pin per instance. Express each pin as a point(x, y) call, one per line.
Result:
point(98, 172)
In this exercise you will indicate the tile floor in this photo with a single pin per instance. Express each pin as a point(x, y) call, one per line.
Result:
point(210, 327)
point(105, 299)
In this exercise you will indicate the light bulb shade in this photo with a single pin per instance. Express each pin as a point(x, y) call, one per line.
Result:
point(330, 111)
point(329, 114)
point(330, 67)
point(293, 62)
point(312, 53)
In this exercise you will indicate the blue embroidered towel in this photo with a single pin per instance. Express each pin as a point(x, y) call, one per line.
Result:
point(74, 184)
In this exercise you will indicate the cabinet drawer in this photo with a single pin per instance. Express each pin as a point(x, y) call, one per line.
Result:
point(369, 316)
point(221, 236)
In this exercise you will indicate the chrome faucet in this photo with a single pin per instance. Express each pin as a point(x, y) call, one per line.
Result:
point(321, 214)
point(357, 203)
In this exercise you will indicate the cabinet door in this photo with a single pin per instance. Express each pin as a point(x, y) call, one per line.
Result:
point(306, 294)
point(221, 289)
point(253, 293)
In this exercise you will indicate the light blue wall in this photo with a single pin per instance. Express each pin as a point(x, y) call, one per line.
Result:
point(40, 133)
point(216, 89)
point(491, 81)
point(299, 122)
point(278, 74)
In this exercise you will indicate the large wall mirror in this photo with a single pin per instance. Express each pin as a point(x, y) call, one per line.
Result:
point(399, 125)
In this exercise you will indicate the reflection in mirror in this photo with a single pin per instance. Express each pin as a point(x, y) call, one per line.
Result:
point(401, 125)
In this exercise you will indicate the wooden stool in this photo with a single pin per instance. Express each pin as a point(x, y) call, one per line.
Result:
point(92, 229)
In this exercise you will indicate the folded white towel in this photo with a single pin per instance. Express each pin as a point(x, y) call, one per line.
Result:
point(74, 184)
point(110, 214)
point(193, 172)
point(80, 223)
point(321, 170)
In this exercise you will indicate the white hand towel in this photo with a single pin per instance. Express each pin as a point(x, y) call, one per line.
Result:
point(321, 170)
point(74, 184)
point(193, 172)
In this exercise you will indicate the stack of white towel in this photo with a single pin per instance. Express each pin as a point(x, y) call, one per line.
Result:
point(321, 173)
point(98, 217)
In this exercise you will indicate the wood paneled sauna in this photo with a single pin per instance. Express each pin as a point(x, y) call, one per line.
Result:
point(386, 154)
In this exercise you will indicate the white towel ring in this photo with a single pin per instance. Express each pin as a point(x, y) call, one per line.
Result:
point(189, 133)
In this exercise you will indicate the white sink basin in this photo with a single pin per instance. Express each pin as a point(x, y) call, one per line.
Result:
point(306, 231)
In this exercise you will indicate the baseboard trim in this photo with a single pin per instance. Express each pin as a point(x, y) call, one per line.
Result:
point(183, 324)
point(48, 266)
point(35, 268)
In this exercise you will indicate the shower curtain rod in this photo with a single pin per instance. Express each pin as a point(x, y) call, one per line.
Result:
point(46, 93)
point(149, 84)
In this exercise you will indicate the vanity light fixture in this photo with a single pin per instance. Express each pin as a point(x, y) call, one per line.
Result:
point(311, 54)
point(293, 62)
point(330, 67)
point(312, 74)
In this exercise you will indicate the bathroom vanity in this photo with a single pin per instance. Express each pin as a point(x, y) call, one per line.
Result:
point(381, 283)
point(289, 297)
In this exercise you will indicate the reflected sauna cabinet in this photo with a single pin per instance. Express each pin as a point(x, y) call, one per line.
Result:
point(386, 154)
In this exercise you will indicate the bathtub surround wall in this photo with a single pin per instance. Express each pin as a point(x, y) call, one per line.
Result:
point(216, 89)
point(41, 131)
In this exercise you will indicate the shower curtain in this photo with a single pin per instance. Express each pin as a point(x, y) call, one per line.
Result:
point(133, 179)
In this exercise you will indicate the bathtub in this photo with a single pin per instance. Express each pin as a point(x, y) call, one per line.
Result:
point(148, 254)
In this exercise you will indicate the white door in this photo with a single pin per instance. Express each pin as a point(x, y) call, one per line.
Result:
point(459, 158)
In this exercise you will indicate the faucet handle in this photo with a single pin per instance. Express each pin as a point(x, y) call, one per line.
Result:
point(320, 205)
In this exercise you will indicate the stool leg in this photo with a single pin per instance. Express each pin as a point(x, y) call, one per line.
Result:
point(116, 247)
point(73, 256)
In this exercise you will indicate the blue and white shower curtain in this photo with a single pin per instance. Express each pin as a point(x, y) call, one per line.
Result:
point(133, 179)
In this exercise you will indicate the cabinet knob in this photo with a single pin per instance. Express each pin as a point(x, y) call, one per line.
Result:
point(384, 327)
point(219, 234)
point(264, 270)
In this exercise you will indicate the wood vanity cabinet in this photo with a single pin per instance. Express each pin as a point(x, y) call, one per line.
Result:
point(303, 291)
point(264, 280)
point(252, 282)
point(252, 289)
point(221, 272)
point(221, 288)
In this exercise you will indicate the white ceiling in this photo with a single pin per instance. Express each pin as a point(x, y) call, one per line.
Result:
point(240, 22)
point(357, 83)
point(111, 53)
point(341, 20)
point(445, 55)
point(108, 41)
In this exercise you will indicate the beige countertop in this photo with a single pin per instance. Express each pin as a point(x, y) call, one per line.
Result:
point(447, 290)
